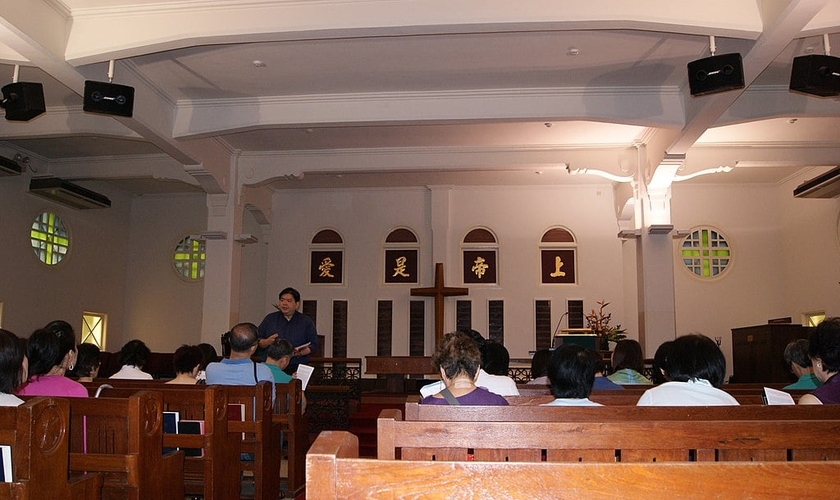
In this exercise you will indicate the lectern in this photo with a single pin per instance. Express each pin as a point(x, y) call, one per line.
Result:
point(576, 336)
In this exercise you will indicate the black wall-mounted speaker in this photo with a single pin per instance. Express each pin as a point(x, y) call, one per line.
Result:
point(716, 74)
point(23, 101)
point(108, 98)
point(816, 75)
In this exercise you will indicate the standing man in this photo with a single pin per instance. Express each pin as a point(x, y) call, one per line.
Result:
point(289, 324)
point(239, 369)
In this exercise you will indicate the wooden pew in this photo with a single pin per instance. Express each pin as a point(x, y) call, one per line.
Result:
point(288, 419)
point(334, 471)
point(210, 475)
point(38, 434)
point(608, 441)
point(533, 413)
point(122, 438)
point(261, 437)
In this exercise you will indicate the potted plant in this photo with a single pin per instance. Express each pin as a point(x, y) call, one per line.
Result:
point(599, 323)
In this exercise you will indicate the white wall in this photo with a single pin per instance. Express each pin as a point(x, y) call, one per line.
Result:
point(162, 309)
point(91, 277)
point(518, 215)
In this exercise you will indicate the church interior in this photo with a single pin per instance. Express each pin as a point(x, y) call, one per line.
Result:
point(259, 138)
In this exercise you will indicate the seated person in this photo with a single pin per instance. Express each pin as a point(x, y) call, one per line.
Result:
point(539, 367)
point(239, 368)
point(278, 354)
point(797, 359)
point(696, 369)
point(50, 356)
point(497, 384)
point(208, 355)
point(601, 383)
point(186, 361)
point(495, 358)
point(458, 360)
point(571, 371)
point(87, 362)
point(660, 362)
point(628, 364)
point(133, 356)
point(13, 368)
point(824, 349)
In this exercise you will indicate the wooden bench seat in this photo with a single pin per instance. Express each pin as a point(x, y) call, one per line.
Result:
point(38, 433)
point(285, 417)
point(608, 441)
point(334, 471)
point(123, 438)
point(209, 475)
point(532, 413)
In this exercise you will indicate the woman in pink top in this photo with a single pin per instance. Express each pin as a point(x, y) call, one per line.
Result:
point(51, 352)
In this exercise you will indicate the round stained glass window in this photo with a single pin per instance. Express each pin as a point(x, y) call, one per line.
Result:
point(705, 253)
point(188, 259)
point(49, 238)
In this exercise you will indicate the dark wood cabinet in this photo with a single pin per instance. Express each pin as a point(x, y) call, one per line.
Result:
point(758, 352)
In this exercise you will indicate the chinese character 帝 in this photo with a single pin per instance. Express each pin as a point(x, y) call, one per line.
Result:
point(479, 267)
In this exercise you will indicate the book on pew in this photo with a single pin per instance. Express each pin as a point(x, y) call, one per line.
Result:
point(774, 397)
point(170, 426)
point(6, 464)
point(236, 412)
point(191, 427)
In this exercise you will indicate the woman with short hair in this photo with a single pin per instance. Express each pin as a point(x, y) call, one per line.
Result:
point(458, 359)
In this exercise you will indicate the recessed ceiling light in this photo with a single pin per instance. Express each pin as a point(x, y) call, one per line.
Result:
point(258, 64)
point(548, 124)
point(572, 51)
point(793, 120)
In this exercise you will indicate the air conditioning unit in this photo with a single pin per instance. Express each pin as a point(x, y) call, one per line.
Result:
point(9, 167)
point(67, 193)
point(826, 185)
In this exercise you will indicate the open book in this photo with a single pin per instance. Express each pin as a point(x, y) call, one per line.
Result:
point(774, 397)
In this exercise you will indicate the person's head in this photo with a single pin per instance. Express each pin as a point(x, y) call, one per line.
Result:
point(660, 363)
point(46, 351)
point(279, 353)
point(243, 340)
point(457, 356)
point(208, 354)
point(796, 356)
point(495, 358)
point(824, 348)
point(134, 353)
point(87, 361)
point(63, 331)
point(628, 354)
point(571, 371)
point(187, 359)
point(14, 369)
point(289, 301)
point(696, 356)
point(539, 363)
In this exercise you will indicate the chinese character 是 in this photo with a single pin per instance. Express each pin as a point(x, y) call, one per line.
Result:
point(400, 269)
point(479, 267)
point(326, 268)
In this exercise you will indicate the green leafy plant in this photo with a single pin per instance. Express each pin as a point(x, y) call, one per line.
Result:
point(599, 323)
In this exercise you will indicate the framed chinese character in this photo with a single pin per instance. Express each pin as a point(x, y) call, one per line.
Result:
point(480, 267)
point(558, 266)
point(401, 266)
point(326, 267)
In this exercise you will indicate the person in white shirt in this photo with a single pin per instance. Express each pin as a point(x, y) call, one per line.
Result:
point(571, 372)
point(696, 369)
point(133, 356)
point(497, 384)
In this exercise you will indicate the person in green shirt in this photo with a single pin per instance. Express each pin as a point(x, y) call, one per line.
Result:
point(278, 354)
point(796, 357)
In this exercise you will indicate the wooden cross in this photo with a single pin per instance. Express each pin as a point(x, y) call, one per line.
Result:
point(439, 291)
